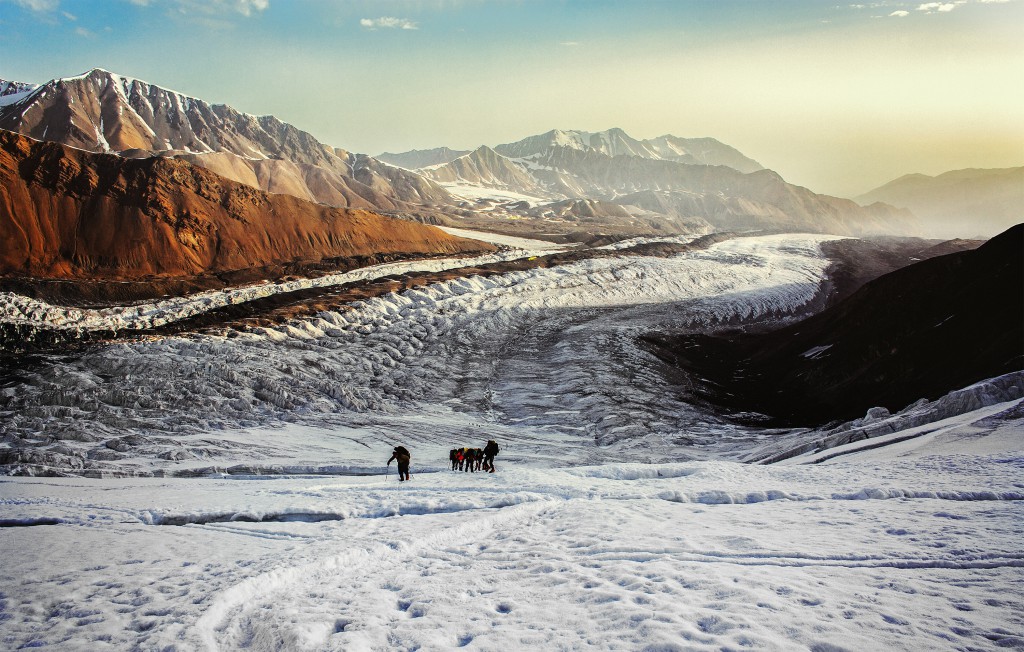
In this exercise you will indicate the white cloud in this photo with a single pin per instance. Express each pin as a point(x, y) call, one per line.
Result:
point(570, 44)
point(940, 6)
point(83, 32)
point(246, 7)
point(210, 14)
point(211, 7)
point(41, 6)
point(389, 22)
point(70, 16)
point(900, 13)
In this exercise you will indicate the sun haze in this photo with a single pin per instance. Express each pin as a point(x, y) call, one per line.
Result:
point(838, 98)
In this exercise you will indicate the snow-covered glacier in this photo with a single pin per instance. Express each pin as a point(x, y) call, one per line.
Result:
point(545, 360)
point(571, 544)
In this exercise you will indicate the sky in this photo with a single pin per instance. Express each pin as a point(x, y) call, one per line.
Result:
point(840, 98)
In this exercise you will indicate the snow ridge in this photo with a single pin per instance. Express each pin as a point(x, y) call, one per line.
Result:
point(925, 421)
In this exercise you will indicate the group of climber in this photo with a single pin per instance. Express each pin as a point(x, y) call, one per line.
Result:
point(474, 459)
point(462, 459)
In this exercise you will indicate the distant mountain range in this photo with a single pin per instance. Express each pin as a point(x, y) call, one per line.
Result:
point(613, 142)
point(666, 184)
point(967, 203)
point(421, 158)
point(559, 182)
point(616, 142)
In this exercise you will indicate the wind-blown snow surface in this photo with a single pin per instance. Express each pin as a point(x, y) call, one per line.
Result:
point(544, 358)
point(909, 555)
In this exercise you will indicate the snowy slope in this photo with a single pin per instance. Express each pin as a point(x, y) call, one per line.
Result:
point(12, 92)
point(954, 423)
point(912, 555)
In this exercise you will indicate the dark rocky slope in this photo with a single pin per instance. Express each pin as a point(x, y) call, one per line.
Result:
point(918, 332)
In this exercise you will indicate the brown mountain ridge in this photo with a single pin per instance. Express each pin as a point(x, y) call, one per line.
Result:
point(70, 214)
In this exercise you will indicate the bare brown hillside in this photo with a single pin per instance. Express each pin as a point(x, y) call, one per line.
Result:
point(67, 213)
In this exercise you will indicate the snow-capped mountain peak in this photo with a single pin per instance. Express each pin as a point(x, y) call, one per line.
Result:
point(12, 92)
point(616, 142)
point(103, 111)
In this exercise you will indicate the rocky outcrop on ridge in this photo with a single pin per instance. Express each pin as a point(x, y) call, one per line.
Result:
point(10, 88)
point(67, 213)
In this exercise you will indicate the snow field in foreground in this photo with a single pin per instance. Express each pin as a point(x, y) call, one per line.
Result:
point(701, 555)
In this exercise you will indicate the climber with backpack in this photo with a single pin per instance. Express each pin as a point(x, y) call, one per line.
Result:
point(490, 450)
point(402, 455)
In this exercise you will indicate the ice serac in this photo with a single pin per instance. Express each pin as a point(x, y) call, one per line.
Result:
point(101, 111)
point(67, 213)
point(960, 203)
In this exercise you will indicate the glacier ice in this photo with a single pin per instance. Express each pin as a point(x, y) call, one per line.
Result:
point(546, 358)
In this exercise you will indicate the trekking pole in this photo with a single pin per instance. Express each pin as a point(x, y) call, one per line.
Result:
point(387, 469)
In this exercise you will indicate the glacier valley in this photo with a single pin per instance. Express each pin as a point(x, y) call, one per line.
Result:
point(228, 489)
